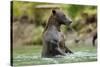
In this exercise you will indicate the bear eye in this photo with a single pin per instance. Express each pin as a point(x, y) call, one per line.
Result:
point(63, 15)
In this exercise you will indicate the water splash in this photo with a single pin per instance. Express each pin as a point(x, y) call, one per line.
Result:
point(69, 58)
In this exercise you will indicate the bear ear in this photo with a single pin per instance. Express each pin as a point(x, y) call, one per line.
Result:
point(54, 11)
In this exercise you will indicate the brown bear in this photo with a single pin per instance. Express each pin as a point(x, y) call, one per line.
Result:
point(53, 39)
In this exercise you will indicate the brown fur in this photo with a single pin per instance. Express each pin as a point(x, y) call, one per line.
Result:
point(53, 39)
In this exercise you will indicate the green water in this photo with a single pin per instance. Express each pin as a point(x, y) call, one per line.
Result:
point(31, 55)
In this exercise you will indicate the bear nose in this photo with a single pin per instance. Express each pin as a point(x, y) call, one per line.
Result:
point(70, 21)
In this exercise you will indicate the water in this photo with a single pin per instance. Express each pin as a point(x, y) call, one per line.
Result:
point(35, 59)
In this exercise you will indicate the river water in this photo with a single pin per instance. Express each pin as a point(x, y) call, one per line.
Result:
point(36, 59)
